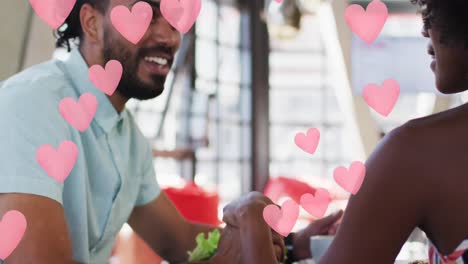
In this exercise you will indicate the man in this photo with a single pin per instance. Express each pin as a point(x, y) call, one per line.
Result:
point(112, 181)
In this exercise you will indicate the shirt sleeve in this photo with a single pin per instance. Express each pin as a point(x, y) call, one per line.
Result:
point(29, 118)
point(149, 188)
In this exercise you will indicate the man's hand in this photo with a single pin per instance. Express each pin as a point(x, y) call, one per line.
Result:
point(325, 226)
point(229, 248)
point(238, 211)
point(246, 213)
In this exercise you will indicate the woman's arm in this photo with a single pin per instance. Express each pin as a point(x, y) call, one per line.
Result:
point(389, 205)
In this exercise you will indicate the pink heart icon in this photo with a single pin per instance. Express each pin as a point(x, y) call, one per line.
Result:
point(382, 100)
point(367, 24)
point(316, 205)
point(12, 228)
point(132, 25)
point(282, 220)
point(53, 12)
point(79, 115)
point(106, 80)
point(58, 164)
point(181, 14)
point(350, 180)
point(309, 142)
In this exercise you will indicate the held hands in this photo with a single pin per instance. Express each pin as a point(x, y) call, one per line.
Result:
point(246, 209)
point(229, 248)
point(246, 213)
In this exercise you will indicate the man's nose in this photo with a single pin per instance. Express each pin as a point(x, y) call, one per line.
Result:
point(162, 32)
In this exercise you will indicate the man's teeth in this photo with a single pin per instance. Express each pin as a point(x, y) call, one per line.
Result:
point(158, 60)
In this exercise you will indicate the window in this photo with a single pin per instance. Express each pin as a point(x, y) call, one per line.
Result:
point(302, 97)
point(222, 61)
point(216, 98)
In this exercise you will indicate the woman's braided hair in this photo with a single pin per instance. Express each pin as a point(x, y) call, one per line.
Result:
point(71, 28)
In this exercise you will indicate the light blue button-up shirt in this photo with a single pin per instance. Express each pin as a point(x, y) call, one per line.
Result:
point(113, 173)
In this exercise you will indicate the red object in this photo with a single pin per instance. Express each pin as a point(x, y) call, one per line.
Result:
point(195, 204)
point(280, 187)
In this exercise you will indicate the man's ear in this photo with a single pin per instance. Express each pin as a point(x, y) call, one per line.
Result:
point(92, 24)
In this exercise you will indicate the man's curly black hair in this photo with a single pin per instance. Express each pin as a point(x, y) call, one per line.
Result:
point(71, 29)
point(449, 17)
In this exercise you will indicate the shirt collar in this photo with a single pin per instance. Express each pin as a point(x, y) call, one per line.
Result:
point(106, 115)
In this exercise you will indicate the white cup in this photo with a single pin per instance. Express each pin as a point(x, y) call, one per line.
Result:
point(319, 245)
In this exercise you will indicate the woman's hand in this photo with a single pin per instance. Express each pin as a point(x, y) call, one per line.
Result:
point(325, 226)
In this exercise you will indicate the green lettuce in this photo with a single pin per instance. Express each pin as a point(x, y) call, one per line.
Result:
point(206, 248)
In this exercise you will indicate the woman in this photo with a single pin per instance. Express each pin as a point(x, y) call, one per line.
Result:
point(418, 175)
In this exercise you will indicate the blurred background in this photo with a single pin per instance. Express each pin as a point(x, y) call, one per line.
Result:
point(248, 77)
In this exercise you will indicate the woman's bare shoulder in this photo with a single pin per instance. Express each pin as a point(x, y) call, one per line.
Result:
point(419, 151)
point(426, 133)
point(445, 119)
point(405, 153)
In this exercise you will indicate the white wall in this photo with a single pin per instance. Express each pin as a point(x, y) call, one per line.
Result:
point(13, 27)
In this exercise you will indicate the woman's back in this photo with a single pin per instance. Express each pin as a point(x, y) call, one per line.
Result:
point(417, 177)
point(442, 140)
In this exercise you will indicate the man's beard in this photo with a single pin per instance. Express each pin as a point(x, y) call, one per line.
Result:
point(130, 85)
